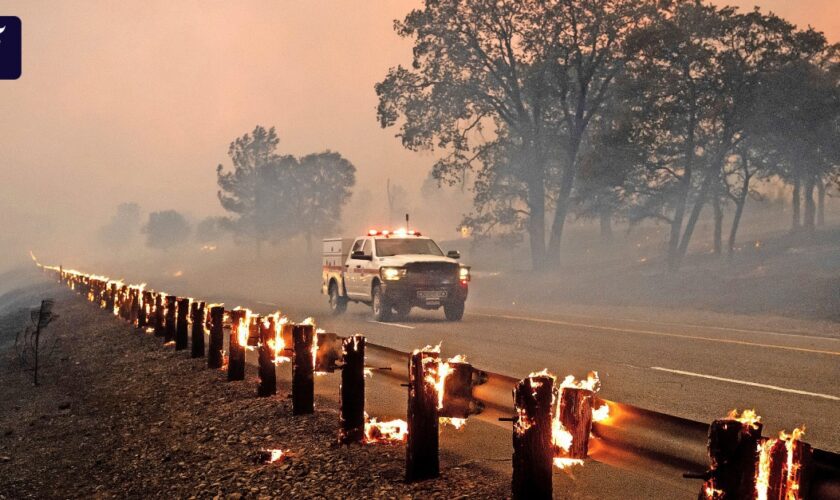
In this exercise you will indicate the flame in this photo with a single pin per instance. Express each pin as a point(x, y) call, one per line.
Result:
point(276, 344)
point(791, 467)
point(368, 372)
point(242, 329)
point(748, 417)
point(275, 455)
point(562, 462)
point(592, 382)
point(392, 431)
point(315, 346)
point(457, 423)
point(601, 413)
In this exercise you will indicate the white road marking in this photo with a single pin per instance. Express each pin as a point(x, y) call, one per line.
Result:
point(391, 324)
point(744, 382)
point(660, 334)
point(782, 333)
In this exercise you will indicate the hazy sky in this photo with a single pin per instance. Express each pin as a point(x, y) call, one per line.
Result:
point(138, 100)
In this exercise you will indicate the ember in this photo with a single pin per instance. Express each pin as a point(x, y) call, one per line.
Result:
point(392, 431)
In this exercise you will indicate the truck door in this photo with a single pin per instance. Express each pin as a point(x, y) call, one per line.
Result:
point(351, 270)
point(367, 271)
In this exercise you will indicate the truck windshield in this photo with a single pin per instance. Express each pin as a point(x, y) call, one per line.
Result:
point(402, 246)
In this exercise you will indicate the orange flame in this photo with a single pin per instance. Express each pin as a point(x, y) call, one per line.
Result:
point(748, 417)
point(392, 431)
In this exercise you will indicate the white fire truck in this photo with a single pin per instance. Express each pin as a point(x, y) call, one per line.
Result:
point(393, 271)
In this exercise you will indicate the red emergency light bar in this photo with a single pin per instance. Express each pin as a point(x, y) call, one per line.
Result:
point(398, 232)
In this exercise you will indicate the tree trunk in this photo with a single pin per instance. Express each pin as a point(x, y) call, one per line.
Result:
point(696, 210)
point(736, 220)
point(718, 226)
point(682, 202)
point(795, 203)
point(821, 202)
point(536, 221)
point(567, 181)
point(810, 206)
point(605, 220)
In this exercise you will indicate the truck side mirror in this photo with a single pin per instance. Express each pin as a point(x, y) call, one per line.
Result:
point(453, 254)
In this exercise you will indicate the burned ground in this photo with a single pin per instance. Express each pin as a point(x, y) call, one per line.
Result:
point(120, 415)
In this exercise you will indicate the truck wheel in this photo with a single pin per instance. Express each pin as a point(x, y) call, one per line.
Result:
point(381, 309)
point(338, 304)
point(454, 311)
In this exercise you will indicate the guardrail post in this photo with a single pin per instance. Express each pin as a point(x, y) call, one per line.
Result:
point(134, 305)
point(215, 359)
point(159, 315)
point(197, 313)
point(171, 310)
point(533, 453)
point(352, 391)
point(576, 417)
point(268, 376)
point(421, 452)
point(143, 309)
point(236, 352)
point(182, 338)
point(303, 370)
point(733, 450)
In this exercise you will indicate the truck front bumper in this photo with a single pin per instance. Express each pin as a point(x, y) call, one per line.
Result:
point(426, 295)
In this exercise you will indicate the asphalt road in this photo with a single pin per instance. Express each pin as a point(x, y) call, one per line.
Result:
point(693, 371)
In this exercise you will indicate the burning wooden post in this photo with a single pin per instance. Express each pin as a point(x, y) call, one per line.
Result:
point(197, 312)
point(144, 309)
point(134, 305)
point(215, 358)
point(733, 450)
point(352, 391)
point(303, 370)
point(422, 461)
point(460, 379)
point(784, 467)
point(576, 417)
point(170, 326)
point(182, 337)
point(123, 302)
point(158, 316)
point(110, 297)
point(533, 451)
point(268, 376)
point(236, 350)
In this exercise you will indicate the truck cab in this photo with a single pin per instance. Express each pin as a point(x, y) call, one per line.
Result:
point(393, 272)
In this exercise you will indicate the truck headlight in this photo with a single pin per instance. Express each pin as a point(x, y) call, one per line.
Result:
point(392, 273)
point(464, 273)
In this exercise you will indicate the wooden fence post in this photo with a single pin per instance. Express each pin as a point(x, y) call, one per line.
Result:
point(236, 352)
point(303, 370)
point(197, 313)
point(533, 453)
point(421, 452)
point(215, 358)
point(268, 376)
point(352, 391)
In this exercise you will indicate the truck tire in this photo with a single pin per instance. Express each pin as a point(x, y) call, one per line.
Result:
point(381, 309)
point(338, 304)
point(454, 311)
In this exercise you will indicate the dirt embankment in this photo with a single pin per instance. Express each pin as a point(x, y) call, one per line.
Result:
point(120, 415)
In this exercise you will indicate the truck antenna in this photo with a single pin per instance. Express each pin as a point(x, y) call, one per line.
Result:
point(407, 226)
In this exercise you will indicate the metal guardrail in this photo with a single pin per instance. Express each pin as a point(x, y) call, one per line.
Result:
point(633, 438)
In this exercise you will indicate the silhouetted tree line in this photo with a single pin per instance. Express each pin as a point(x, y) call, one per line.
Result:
point(616, 109)
point(273, 197)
